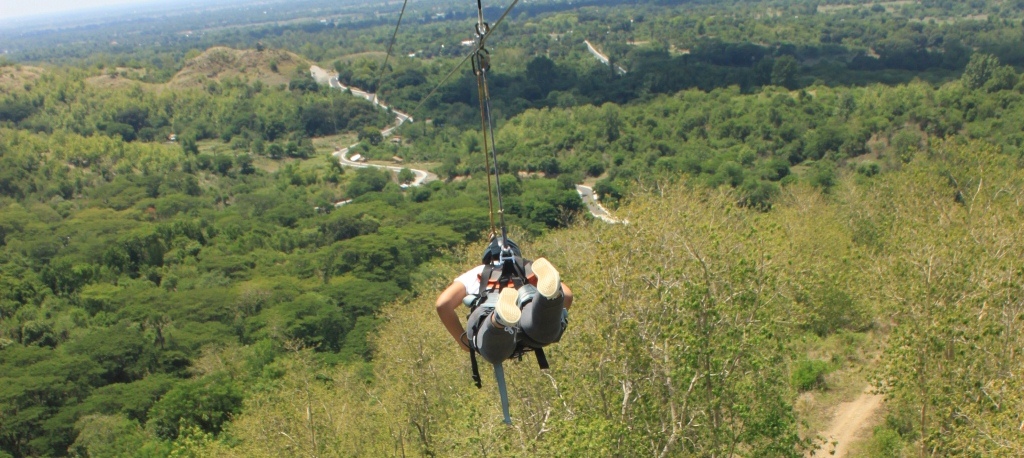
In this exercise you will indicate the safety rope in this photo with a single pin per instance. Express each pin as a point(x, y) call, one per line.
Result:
point(487, 158)
point(499, 376)
point(481, 64)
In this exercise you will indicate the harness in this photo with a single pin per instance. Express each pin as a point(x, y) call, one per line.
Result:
point(512, 274)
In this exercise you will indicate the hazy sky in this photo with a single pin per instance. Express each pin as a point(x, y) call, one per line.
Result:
point(14, 8)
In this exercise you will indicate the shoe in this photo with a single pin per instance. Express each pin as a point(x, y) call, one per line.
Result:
point(507, 313)
point(548, 282)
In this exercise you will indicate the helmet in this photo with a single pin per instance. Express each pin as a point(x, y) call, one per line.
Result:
point(493, 251)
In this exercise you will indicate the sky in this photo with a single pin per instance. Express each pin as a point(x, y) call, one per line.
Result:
point(16, 8)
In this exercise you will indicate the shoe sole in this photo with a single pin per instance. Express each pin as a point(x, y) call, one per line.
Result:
point(548, 280)
point(507, 310)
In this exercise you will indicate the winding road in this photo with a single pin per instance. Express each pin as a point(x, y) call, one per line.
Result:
point(603, 58)
point(321, 76)
point(422, 176)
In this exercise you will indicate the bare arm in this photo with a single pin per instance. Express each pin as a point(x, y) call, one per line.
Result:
point(447, 304)
point(567, 296)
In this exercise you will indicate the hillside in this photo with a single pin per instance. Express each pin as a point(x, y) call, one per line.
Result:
point(271, 66)
point(122, 79)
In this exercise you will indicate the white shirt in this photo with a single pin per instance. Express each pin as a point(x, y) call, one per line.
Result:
point(471, 279)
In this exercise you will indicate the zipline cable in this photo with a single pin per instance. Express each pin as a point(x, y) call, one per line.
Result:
point(487, 159)
point(464, 59)
point(380, 76)
point(480, 66)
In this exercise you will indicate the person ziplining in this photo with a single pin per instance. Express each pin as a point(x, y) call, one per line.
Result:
point(515, 305)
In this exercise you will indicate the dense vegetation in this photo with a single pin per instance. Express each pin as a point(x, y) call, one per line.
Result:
point(802, 179)
point(125, 260)
point(684, 342)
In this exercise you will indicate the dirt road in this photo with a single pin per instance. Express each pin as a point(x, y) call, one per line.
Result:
point(852, 422)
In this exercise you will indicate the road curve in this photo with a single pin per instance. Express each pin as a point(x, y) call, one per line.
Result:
point(591, 200)
point(422, 176)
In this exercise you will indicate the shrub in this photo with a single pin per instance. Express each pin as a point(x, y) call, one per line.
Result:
point(868, 169)
point(809, 374)
point(822, 175)
point(885, 442)
point(829, 309)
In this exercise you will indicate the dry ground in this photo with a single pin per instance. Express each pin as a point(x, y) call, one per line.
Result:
point(13, 78)
point(843, 415)
point(852, 423)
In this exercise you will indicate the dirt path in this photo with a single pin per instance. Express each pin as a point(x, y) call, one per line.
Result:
point(851, 423)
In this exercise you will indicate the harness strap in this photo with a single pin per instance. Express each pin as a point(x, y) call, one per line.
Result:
point(542, 360)
point(480, 298)
point(485, 278)
point(512, 269)
point(476, 369)
point(499, 376)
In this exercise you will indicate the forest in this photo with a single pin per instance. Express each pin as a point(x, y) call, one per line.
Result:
point(821, 196)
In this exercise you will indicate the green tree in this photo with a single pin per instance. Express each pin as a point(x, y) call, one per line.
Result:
point(367, 179)
point(222, 164)
point(188, 145)
point(275, 151)
point(784, 72)
point(310, 319)
point(370, 135)
point(108, 435)
point(206, 403)
point(979, 70)
point(244, 162)
point(406, 176)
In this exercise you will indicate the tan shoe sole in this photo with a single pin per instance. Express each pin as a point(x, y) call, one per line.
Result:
point(507, 311)
point(548, 280)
